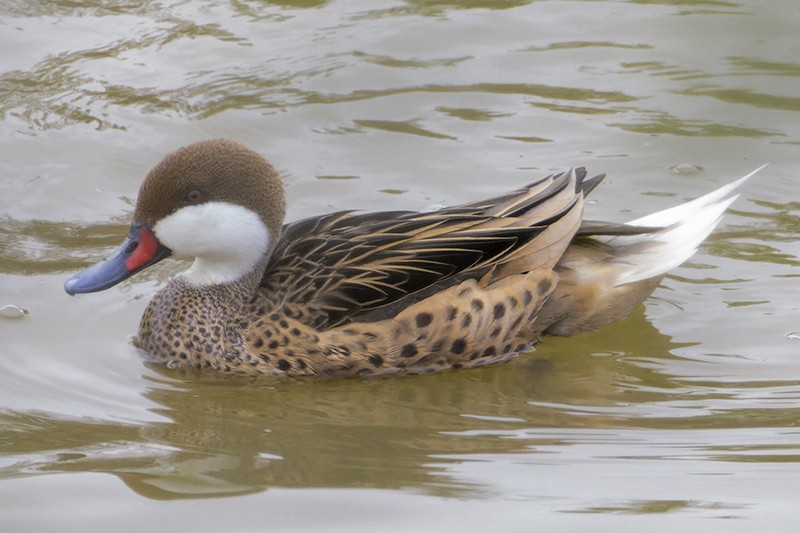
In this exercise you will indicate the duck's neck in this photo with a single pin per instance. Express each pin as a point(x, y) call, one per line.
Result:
point(236, 291)
point(243, 268)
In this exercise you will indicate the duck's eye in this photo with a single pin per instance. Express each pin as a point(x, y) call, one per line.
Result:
point(193, 198)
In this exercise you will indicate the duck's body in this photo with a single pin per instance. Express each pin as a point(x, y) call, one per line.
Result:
point(347, 293)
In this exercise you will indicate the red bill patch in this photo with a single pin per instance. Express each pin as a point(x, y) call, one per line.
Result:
point(144, 253)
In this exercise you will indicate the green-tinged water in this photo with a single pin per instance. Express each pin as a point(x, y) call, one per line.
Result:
point(686, 416)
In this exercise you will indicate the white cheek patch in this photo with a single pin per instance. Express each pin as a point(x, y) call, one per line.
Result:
point(226, 240)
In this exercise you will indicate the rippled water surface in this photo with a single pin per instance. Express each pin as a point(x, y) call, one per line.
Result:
point(682, 417)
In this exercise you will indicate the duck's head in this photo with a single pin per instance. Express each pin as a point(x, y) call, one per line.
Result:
point(216, 201)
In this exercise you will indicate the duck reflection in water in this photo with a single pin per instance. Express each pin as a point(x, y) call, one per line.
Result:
point(232, 435)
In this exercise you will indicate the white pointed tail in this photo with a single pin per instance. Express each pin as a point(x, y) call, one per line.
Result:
point(685, 227)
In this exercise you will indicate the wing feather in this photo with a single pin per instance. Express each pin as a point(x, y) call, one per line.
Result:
point(346, 264)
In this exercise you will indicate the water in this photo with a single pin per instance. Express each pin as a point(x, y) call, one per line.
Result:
point(684, 416)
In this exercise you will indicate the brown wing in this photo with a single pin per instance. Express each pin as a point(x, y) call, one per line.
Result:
point(347, 264)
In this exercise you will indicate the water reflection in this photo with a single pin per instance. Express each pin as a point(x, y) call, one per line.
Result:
point(37, 247)
point(223, 436)
point(663, 123)
point(84, 85)
point(428, 6)
point(778, 224)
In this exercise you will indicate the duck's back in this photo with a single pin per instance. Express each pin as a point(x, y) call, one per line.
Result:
point(352, 267)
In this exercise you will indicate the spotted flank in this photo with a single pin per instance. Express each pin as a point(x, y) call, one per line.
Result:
point(352, 293)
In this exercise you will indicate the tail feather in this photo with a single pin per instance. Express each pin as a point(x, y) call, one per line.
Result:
point(680, 231)
point(609, 269)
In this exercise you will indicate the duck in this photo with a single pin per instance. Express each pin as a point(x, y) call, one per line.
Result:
point(366, 293)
